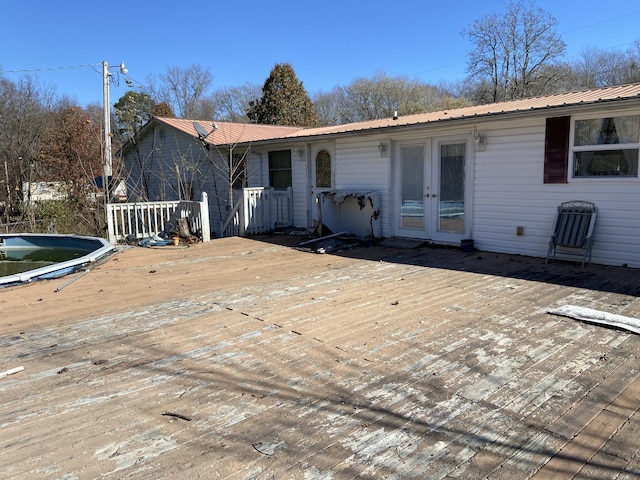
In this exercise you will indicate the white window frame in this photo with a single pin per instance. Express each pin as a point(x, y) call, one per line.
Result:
point(619, 146)
point(289, 169)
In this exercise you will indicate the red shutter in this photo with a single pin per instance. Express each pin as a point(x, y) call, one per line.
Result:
point(556, 150)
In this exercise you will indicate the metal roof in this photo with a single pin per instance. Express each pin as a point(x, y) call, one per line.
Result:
point(229, 133)
point(514, 106)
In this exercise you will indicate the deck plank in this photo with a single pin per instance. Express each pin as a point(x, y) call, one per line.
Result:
point(375, 362)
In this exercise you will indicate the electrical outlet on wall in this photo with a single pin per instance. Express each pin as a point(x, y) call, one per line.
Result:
point(520, 230)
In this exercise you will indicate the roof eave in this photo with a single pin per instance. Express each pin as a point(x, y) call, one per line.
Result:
point(462, 120)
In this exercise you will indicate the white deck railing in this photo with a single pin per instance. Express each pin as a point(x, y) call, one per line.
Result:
point(259, 210)
point(146, 219)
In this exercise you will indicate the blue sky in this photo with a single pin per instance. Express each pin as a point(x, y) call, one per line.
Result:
point(328, 43)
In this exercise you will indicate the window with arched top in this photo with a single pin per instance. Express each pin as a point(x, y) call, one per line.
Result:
point(323, 169)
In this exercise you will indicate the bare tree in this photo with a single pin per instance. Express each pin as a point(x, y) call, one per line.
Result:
point(181, 88)
point(599, 68)
point(634, 58)
point(331, 106)
point(512, 49)
point(230, 104)
point(70, 154)
point(381, 96)
point(69, 151)
point(230, 163)
point(24, 106)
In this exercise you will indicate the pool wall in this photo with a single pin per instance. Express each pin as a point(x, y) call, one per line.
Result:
point(95, 247)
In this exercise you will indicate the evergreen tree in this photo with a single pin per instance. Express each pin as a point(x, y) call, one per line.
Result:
point(284, 101)
point(132, 111)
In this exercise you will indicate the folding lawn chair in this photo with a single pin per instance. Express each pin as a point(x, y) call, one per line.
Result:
point(573, 229)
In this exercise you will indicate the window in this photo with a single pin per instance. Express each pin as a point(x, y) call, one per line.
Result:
point(606, 147)
point(323, 169)
point(280, 169)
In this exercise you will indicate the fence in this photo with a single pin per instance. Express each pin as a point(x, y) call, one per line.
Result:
point(259, 210)
point(147, 219)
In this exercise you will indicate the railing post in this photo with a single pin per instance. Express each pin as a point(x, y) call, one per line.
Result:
point(110, 225)
point(272, 208)
point(204, 217)
point(289, 206)
point(245, 213)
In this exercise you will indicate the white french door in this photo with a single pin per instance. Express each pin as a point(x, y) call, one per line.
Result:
point(412, 190)
point(431, 189)
point(449, 204)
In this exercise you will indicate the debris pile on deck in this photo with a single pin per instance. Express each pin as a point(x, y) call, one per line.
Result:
point(333, 243)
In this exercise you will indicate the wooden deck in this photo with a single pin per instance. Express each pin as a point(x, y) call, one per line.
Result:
point(245, 358)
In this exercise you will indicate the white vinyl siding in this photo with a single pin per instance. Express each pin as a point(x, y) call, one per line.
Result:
point(166, 151)
point(360, 166)
point(509, 192)
point(506, 185)
point(507, 178)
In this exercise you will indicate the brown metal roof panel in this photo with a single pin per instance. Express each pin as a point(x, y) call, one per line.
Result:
point(526, 104)
point(228, 132)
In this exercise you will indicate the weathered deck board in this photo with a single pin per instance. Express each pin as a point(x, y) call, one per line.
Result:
point(372, 363)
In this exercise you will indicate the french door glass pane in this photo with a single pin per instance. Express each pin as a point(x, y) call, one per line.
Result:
point(412, 176)
point(451, 204)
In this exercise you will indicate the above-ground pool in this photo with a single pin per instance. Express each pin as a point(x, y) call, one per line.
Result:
point(25, 257)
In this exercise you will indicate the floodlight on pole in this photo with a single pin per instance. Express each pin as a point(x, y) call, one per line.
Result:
point(107, 162)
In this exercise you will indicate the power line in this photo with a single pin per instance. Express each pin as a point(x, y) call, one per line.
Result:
point(614, 47)
point(47, 69)
point(600, 22)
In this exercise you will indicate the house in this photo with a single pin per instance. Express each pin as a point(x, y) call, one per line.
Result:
point(36, 192)
point(492, 173)
point(176, 159)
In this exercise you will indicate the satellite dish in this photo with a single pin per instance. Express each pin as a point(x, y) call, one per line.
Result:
point(202, 132)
